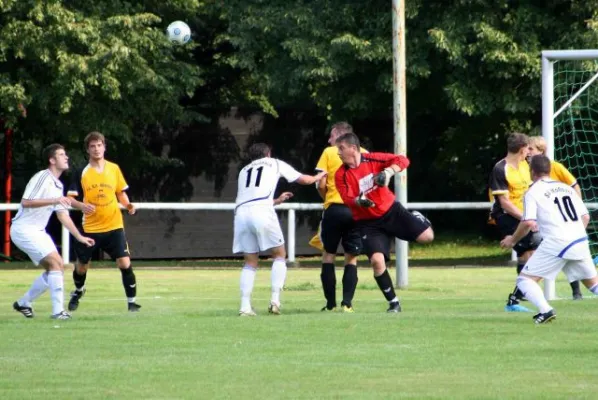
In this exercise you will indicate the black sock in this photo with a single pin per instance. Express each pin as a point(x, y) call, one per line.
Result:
point(385, 284)
point(575, 287)
point(520, 268)
point(129, 282)
point(328, 278)
point(515, 296)
point(79, 279)
point(349, 284)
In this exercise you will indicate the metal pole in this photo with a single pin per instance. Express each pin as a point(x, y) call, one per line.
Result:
point(400, 127)
point(65, 241)
point(7, 189)
point(548, 134)
point(291, 237)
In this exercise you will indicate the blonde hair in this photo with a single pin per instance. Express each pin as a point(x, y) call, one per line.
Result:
point(539, 143)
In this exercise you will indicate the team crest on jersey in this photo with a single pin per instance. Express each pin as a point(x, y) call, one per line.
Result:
point(366, 184)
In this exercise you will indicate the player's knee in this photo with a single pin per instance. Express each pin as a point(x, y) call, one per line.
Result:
point(426, 236)
point(378, 263)
point(350, 259)
point(328, 258)
point(279, 252)
point(82, 268)
point(123, 262)
point(53, 263)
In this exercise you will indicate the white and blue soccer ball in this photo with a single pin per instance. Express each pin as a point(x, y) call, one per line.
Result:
point(178, 32)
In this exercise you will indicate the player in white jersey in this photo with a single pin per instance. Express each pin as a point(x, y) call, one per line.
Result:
point(256, 226)
point(44, 195)
point(562, 219)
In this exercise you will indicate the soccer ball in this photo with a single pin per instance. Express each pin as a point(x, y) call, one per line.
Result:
point(178, 32)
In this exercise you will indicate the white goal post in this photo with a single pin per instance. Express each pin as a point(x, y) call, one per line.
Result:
point(549, 58)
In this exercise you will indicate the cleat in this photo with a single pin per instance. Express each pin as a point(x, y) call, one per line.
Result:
point(274, 308)
point(26, 311)
point(577, 296)
point(63, 315)
point(325, 308)
point(75, 297)
point(247, 313)
point(133, 307)
point(543, 318)
point(516, 308)
point(394, 307)
point(347, 309)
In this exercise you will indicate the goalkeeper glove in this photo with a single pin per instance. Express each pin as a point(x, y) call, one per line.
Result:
point(383, 178)
point(363, 201)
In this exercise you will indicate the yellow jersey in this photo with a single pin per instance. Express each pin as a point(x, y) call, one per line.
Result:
point(100, 189)
point(330, 162)
point(509, 181)
point(558, 172)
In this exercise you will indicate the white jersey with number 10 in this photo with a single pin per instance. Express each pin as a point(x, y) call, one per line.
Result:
point(258, 180)
point(558, 211)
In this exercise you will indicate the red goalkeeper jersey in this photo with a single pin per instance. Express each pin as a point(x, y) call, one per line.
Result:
point(350, 182)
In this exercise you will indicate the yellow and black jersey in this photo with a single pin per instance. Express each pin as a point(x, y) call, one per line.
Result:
point(559, 173)
point(100, 188)
point(330, 162)
point(509, 181)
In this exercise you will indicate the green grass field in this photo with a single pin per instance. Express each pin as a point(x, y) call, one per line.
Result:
point(453, 340)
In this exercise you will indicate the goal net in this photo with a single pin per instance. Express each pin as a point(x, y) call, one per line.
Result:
point(570, 122)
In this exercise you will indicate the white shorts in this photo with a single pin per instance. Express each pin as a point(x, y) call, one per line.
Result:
point(36, 244)
point(545, 264)
point(256, 229)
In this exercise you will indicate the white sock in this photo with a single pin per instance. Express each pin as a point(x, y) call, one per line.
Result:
point(594, 289)
point(533, 293)
point(278, 276)
point(56, 284)
point(247, 280)
point(38, 287)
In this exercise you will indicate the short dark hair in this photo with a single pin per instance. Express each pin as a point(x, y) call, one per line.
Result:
point(349, 138)
point(342, 126)
point(257, 151)
point(50, 152)
point(540, 165)
point(516, 141)
point(92, 137)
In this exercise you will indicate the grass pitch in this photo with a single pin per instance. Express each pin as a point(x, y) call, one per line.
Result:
point(452, 341)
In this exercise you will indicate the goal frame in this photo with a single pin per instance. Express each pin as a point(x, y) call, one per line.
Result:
point(549, 57)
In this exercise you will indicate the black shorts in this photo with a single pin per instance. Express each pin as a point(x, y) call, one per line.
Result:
point(337, 226)
point(507, 225)
point(112, 242)
point(376, 234)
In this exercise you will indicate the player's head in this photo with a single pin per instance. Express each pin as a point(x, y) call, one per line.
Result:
point(348, 148)
point(337, 130)
point(518, 143)
point(56, 157)
point(537, 145)
point(257, 151)
point(95, 145)
point(540, 166)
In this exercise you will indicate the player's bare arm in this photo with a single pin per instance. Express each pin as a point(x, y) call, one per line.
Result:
point(508, 206)
point(523, 229)
point(123, 199)
point(65, 219)
point(321, 186)
point(311, 179)
point(585, 219)
point(35, 203)
point(85, 207)
point(282, 198)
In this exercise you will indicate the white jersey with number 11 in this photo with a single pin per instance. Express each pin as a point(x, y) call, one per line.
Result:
point(258, 180)
point(558, 210)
